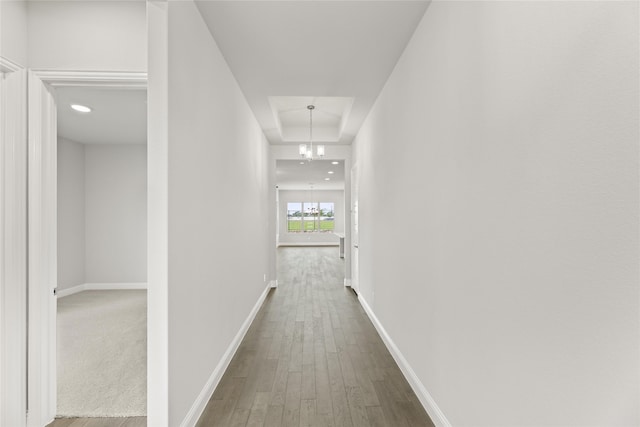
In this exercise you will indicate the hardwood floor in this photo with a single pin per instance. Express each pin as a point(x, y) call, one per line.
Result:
point(313, 358)
point(310, 358)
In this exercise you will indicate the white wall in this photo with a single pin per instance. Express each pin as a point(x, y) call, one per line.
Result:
point(217, 178)
point(509, 132)
point(71, 214)
point(158, 215)
point(329, 196)
point(116, 213)
point(87, 35)
point(102, 224)
point(13, 31)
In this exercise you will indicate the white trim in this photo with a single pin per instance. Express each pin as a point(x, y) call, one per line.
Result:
point(203, 398)
point(120, 80)
point(283, 244)
point(114, 286)
point(42, 226)
point(13, 240)
point(70, 291)
point(437, 416)
point(273, 283)
point(42, 241)
point(100, 287)
point(347, 282)
point(8, 66)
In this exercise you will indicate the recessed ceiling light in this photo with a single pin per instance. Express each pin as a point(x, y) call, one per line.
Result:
point(330, 172)
point(327, 179)
point(81, 108)
point(302, 163)
point(335, 163)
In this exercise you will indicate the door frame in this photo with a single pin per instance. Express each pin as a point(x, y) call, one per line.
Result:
point(13, 238)
point(355, 232)
point(42, 226)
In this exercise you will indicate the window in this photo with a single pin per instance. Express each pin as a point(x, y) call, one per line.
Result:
point(310, 217)
point(294, 217)
point(326, 217)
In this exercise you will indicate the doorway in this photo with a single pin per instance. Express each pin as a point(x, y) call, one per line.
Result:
point(311, 205)
point(94, 181)
point(101, 252)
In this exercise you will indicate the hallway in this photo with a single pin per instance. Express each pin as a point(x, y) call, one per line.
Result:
point(312, 358)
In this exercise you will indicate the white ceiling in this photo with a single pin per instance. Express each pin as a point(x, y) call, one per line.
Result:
point(311, 49)
point(291, 113)
point(118, 116)
point(299, 174)
point(285, 55)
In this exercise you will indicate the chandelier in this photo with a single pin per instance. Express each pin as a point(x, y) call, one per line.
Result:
point(306, 150)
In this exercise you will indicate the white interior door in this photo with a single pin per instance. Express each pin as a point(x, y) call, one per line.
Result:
point(355, 241)
point(42, 223)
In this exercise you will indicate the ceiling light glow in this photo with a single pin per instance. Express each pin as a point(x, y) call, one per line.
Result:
point(327, 179)
point(335, 163)
point(81, 108)
point(330, 172)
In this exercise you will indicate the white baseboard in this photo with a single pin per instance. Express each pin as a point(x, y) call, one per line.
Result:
point(114, 286)
point(69, 291)
point(437, 416)
point(347, 282)
point(203, 398)
point(99, 287)
point(273, 283)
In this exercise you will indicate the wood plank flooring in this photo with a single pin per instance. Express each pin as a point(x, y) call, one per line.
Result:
point(310, 358)
point(313, 358)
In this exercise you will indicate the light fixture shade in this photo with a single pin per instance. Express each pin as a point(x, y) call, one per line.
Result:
point(308, 154)
point(320, 150)
point(303, 150)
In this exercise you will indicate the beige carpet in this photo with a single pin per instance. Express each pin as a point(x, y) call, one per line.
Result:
point(102, 354)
